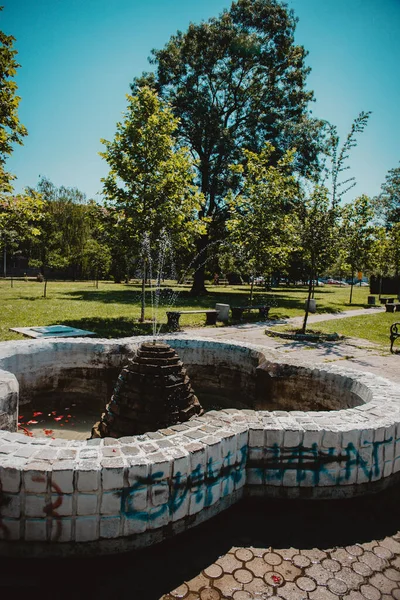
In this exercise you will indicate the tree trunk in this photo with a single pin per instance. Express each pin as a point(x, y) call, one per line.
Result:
point(351, 287)
point(310, 288)
point(143, 303)
point(198, 286)
point(251, 290)
point(380, 286)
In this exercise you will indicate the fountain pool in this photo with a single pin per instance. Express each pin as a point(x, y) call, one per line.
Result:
point(281, 430)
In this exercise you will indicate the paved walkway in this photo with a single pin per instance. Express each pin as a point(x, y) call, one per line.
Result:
point(288, 550)
point(358, 354)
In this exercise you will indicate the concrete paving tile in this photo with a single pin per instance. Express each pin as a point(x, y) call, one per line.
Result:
point(373, 561)
point(345, 558)
point(258, 567)
point(258, 588)
point(289, 571)
point(272, 558)
point(244, 554)
point(229, 563)
point(352, 579)
point(382, 583)
point(383, 552)
point(290, 591)
point(336, 586)
point(227, 585)
point(210, 594)
point(213, 571)
point(370, 593)
point(392, 574)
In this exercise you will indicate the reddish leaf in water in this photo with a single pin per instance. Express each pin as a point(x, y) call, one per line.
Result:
point(31, 422)
point(53, 412)
point(69, 416)
point(20, 417)
point(66, 420)
point(37, 413)
point(27, 432)
point(61, 424)
point(48, 431)
point(58, 418)
point(276, 579)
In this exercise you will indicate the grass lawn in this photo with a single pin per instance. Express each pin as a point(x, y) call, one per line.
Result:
point(374, 328)
point(113, 310)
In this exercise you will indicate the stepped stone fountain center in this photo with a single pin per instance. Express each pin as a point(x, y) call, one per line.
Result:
point(169, 452)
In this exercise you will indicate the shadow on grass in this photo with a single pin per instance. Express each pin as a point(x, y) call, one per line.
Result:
point(112, 328)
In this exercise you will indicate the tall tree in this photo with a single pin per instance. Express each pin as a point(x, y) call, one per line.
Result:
point(234, 82)
point(150, 180)
point(11, 130)
point(261, 225)
point(356, 234)
point(388, 201)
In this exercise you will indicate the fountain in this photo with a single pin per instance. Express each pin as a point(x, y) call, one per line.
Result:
point(153, 391)
point(107, 495)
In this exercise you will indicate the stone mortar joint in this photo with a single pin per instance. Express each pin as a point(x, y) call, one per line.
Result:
point(109, 495)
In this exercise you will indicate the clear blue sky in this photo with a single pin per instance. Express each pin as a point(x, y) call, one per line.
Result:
point(78, 58)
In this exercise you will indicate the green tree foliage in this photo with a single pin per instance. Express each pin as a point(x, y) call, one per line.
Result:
point(65, 229)
point(237, 81)
point(320, 212)
point(150, 181)
point(356, 234)
point(261, 225)
point(11, 130)
point(20, 218)
point(388, 201)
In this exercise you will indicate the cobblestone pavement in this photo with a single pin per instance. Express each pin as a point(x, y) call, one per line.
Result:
point(282, 549)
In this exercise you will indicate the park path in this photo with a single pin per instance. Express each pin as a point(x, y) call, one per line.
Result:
point(360, 355)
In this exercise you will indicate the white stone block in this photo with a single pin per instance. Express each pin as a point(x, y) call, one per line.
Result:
point(10, 529)
point(158, 517)
point(86, 529)
point(290, 478)
point(181, 465)
point(351, 437)
point(61, 530)
point(256, 436)
point(135, 524)
point(179, 507)
point(110, 503)
point(331, 439)
point(227, 486)
point(292, 438)
point(35, 481)
point(64, 509)
point(110, 527)
point(35, 505)
point(312, 437)
point(63, 478)
point(196, 502)
point(35, 530)
point(138, 471)
point(213, 493)
point(159, 493)
point(112, 478)
point(136, 500)
point(87, 504)
point(254, 476)
point(10, 479)
point(88, 480)
point(274, 437)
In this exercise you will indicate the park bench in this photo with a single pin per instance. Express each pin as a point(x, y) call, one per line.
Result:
point(392, 307)
point(384, 300)
point(237, 311)
point(394, 334)
point(174, 316)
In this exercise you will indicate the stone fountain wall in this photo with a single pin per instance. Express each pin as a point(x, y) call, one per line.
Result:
point(110, 495)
